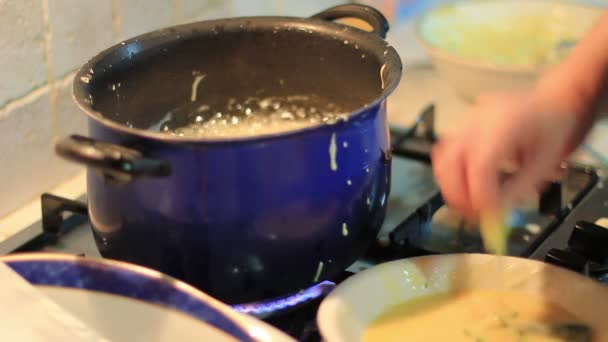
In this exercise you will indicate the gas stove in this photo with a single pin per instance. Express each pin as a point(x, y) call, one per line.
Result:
point(564, 228)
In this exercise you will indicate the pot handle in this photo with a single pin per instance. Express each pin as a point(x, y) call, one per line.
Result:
point(368, 14)
point(114, 161)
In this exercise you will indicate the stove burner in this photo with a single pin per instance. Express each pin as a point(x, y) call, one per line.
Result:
point(415, 229)
point(586, 252)
point(53, 209)
point(416, 142)
point(551, 202)
point(590, 240)
point(554, 203)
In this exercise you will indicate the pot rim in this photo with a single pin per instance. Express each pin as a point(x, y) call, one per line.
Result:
point(390, 71)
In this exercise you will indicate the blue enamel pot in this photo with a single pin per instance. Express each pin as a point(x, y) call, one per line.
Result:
point(245, 218)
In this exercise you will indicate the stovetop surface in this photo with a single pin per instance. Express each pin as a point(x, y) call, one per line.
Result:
point(417, 223)
point(443, 235)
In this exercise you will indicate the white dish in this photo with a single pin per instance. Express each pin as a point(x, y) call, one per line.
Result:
point(125, 302)
point(119, 318)
point(353, 305)
point(443, 34)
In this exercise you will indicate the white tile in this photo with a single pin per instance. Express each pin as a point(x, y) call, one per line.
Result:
point(70, 119)
point(79, 30)
point(298, 8)
point(27, 151)
point(244, 8)
point(22, 64)
point(206, 9)
point(198, 8)
point(141, 16)
point(192, 8)
point(294, 8)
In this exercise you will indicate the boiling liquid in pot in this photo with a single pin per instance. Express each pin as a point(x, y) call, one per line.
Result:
point(252, 116)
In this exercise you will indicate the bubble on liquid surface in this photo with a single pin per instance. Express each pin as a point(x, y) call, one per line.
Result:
point(257, 116)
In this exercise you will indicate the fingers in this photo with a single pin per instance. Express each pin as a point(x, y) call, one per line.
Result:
point(450, 172)
point(483, 167)
point(538, 169)
point(470, 166)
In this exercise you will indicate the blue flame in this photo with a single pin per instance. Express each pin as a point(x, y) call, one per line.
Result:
point(267, 308)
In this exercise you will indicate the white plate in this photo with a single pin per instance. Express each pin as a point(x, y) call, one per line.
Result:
point(125, 302)
point(353, 305)
point(119, 318)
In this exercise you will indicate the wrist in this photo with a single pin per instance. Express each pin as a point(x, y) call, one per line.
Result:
point(560, 93)
point(559, 90)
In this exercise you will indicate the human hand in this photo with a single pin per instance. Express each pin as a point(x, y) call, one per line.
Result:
point(529, 134)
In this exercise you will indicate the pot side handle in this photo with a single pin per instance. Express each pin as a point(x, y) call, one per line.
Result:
point(114, 161)
point(368, 14)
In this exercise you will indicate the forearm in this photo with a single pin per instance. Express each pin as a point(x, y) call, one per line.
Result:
point(580, 83)
point(588, 64)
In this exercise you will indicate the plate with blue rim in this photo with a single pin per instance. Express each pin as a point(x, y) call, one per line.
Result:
point(126, 302)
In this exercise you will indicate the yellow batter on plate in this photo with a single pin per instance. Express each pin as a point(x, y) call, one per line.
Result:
point(472, 316)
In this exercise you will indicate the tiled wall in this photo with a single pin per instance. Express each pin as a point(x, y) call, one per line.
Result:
point(43, 42)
